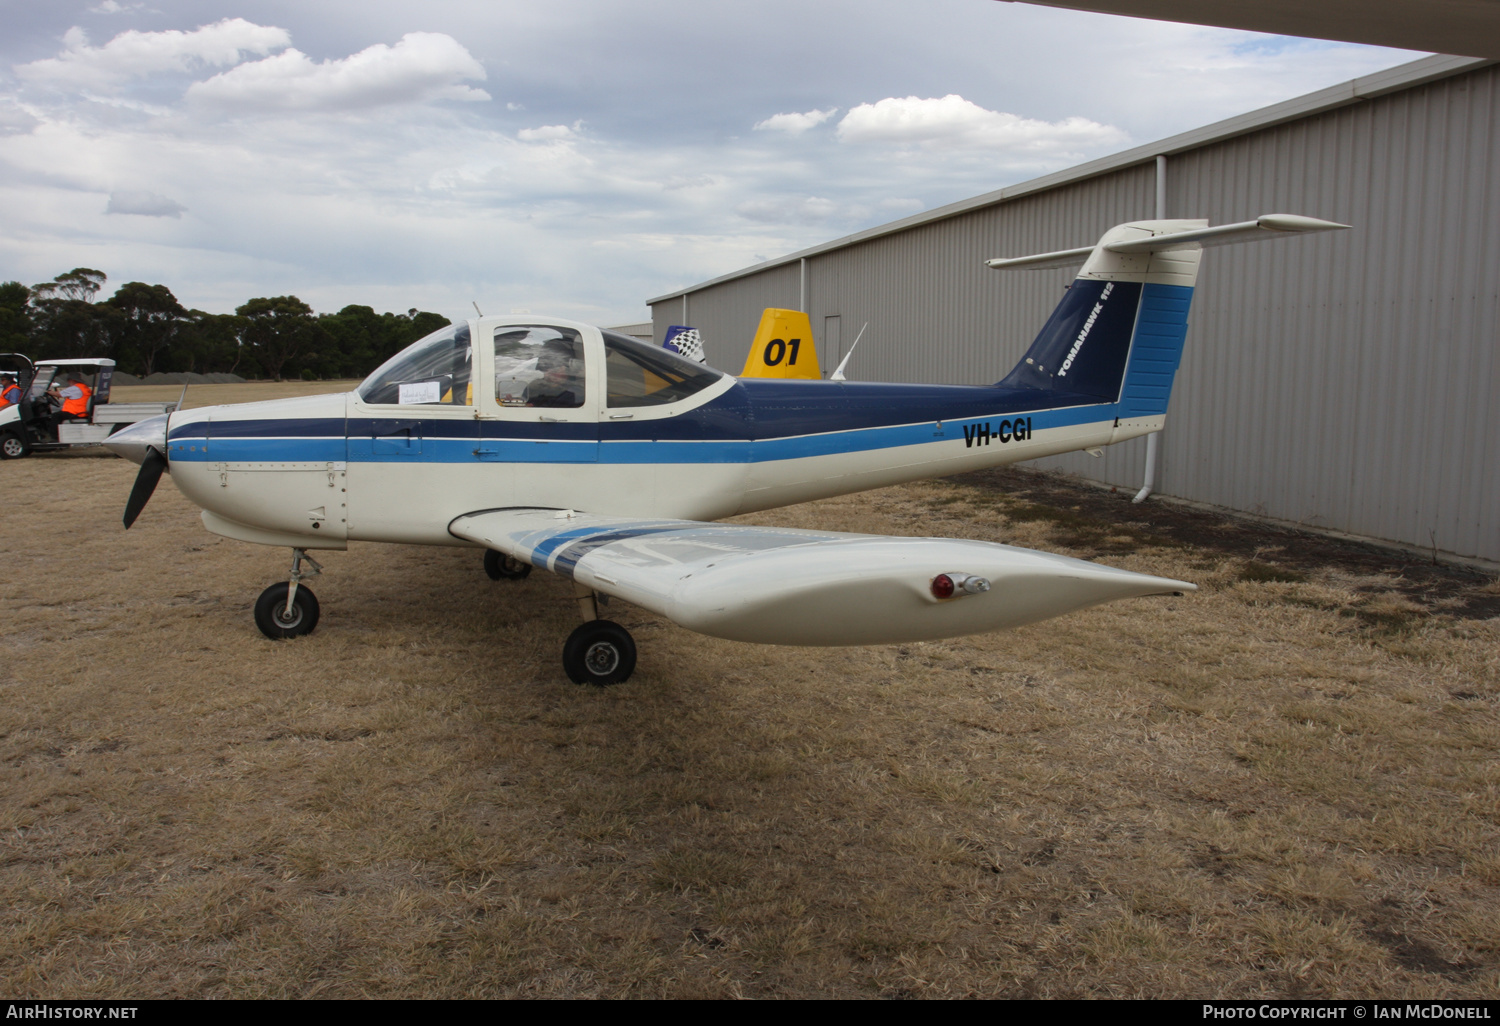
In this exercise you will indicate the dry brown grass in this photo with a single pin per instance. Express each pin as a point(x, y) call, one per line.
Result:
point(1274, 787)
point(212, 395)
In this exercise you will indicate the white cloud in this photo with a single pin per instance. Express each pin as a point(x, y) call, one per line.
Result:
point(795, 124)
point(147, 204)
point(421, 67)
point(953, 122)
point(111, 7)
point(550, 133)
point(15, 118)
point(83, 68)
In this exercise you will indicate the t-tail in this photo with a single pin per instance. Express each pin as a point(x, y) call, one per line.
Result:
point(1118, 333)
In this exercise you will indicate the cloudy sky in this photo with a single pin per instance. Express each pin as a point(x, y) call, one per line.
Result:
point(574, 157)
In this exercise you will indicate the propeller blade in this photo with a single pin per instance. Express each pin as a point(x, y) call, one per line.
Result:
point(145, 484)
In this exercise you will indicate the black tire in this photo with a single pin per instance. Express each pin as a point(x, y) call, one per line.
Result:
point(501, 567)
point(270, 612)
point(600, 652)
point(13, 446)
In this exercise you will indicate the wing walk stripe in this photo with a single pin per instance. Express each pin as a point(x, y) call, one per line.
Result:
point(567, 559)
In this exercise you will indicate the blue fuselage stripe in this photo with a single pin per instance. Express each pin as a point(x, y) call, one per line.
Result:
point(758, 421)
point(633, 451)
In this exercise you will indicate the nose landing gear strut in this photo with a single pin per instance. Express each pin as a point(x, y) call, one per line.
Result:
point(287, 610)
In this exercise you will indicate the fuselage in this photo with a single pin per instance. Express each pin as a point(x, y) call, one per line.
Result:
point(512, 412)
point(322, 470)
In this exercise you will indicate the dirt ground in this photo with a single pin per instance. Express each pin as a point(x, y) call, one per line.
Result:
point(1283, 785)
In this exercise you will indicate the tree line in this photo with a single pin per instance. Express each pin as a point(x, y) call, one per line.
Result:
point(144, 329)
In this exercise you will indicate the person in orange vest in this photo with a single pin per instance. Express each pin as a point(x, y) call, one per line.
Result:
point(74, 398)
point(10, 392)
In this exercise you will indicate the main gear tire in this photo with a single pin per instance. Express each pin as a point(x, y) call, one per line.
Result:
point(600, 652)
point(501, 567)
point(273, 619)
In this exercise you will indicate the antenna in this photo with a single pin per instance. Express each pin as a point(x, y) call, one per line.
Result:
point(476, 308)
point(838, 374)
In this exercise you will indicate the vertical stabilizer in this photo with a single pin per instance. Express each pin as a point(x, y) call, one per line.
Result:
point(1117, 334)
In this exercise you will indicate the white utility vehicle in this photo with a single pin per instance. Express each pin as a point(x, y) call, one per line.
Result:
point(27, 426)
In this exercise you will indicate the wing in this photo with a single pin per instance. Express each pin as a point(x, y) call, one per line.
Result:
point(789, 587)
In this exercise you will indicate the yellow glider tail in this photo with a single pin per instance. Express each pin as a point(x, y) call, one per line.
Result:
point(783, 347)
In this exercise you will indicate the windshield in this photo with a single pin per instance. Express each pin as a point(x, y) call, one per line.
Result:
point(433, 370)
point(642, 375)
point(41, 382)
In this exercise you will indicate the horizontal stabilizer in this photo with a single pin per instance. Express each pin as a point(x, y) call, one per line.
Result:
point(1267, 226)
point(1041, 261)
point(780, 586)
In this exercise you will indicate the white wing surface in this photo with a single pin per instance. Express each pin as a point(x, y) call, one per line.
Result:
point(788, 587)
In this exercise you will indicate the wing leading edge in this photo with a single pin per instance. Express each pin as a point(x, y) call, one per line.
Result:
point(781, 586)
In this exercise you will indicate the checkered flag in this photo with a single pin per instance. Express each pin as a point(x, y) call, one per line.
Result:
point(686, 341)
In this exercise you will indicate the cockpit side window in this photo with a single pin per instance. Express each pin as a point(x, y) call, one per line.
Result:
point(539, 365)
point(430, 371)
point(642, 375)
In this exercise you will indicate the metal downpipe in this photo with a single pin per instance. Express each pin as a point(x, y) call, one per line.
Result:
point(1154, 439)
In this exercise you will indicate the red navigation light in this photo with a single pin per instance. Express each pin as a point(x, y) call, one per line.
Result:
point(942, 586)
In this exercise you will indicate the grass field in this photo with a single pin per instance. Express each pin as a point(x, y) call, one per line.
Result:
point(211, 395)
point(1284, 785)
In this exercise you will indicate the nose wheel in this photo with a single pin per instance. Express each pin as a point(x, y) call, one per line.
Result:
point(277, 621)
point(287, 609)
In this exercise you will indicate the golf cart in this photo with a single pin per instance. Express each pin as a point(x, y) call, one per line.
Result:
point(26, 427)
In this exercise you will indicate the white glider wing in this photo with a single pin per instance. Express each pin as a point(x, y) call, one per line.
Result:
point(790, 587)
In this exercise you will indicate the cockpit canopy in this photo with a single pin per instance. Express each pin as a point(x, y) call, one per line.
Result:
point(535, 365)
point(425, 371)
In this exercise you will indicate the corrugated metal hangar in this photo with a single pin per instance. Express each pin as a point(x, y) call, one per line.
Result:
point(1346, 382)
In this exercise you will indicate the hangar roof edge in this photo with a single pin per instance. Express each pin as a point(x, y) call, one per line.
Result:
point(1367, 87)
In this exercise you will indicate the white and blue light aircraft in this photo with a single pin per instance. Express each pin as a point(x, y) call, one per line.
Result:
point(555, 445)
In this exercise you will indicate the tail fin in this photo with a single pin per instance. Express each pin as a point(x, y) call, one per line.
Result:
point(783, 347)
point(1117, 335)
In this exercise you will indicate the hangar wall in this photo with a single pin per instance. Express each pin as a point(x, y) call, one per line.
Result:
point(1345, 381)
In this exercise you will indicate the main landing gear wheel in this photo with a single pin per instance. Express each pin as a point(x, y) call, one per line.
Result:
point(273, 617)
point(501, 567)
point(599, 652)
point(13, 447)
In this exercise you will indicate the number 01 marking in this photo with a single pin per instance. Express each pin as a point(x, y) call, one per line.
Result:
point(777, 348)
